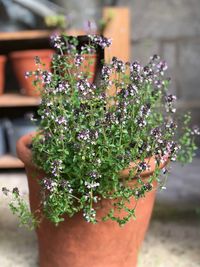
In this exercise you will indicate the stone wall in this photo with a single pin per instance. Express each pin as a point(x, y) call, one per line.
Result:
point(170, 28)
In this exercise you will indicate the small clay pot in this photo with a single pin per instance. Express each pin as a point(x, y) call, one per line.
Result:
point(2, 74)
point(23, 61)
point(76, 243)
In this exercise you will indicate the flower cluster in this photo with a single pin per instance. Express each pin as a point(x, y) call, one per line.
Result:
point(101, 41)
point(88, 135)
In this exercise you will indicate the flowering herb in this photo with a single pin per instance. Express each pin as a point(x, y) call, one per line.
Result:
point(87, 135)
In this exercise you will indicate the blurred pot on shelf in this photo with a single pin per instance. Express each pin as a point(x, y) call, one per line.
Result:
point(15, 129)
point(2, 74)
point(24, 61)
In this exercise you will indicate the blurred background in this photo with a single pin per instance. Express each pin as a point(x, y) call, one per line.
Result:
point(139, 28)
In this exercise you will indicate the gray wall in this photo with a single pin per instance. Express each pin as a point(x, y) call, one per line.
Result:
point(170, 28)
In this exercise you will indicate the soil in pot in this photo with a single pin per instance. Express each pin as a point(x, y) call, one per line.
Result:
point(78, 243)
point(2, 74)
point(23, 61)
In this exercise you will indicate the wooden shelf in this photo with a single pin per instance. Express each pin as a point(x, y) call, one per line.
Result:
point(17, 100)
point(24, 35)
point(34, 34)
point(8, 161)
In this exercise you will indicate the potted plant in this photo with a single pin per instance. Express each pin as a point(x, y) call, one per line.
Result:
point(23, 64)
point(97, 159)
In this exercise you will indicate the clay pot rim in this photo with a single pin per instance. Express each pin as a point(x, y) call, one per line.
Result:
point(31, 53)
point(24, 153)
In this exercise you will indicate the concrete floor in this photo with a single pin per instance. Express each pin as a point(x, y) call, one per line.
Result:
point(173, 239)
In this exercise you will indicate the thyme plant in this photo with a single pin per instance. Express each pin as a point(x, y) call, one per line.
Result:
point(88, 135)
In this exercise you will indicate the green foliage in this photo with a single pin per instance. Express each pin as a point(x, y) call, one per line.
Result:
point(88, 135)
point(187, 142)
point(20, 208)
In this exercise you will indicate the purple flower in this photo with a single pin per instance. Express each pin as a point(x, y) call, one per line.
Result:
point(118, 65)
point(94, 134)
point(145, 110)
point(132, 89)
point(156, 132)
point(147, 186)
point(94, 175)
point(61, 120)
point(28, 74)
point(66, 186)
point(170, 98)
point(86, 89)
point(49, 184)
point(169, 103)
point(101, 41)
point(164, 171)
point(84, 135)
point(141, 122)
point(92, 185)
point(46, 77)
point(170, 126)
point(135, 67)
point(110, 118)
point(57, 41)
point(123, 93)
point(56, 167)
point(78, 60)
point(161, 67)
point(62, 87)
point(154, 58)
point(195, 130)
point(106, 72)
point(89, 215)
point(143, 166)
point(158, 84)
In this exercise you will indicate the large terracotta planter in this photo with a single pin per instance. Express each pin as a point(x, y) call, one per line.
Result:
point(2, 74)
point(23, 61)
point(76, 243)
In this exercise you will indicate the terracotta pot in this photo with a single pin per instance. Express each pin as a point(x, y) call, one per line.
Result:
point(76, 243)
point(2, 75)
point(23, 61)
